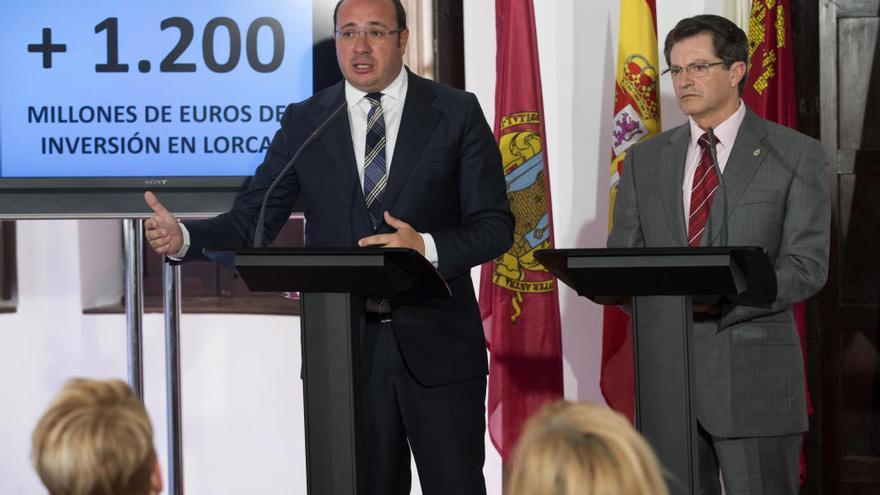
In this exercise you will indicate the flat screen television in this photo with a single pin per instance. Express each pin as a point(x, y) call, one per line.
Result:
point(102, 100)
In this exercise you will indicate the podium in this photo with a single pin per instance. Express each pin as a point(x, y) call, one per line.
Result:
point(334, 284)
point(664, 283)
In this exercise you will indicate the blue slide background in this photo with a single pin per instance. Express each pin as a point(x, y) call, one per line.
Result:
point(73, 83)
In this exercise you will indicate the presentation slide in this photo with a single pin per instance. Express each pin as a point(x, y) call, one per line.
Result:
point(117, 88)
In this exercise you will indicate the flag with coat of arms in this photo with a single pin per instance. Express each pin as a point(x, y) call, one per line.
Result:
point(518, 296)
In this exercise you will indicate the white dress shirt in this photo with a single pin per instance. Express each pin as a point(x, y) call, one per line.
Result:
point(393, 98)
point(725, 135)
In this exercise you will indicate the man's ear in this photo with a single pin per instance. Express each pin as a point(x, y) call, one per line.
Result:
point(737, 73)
point(402, 39)
point(156, 479)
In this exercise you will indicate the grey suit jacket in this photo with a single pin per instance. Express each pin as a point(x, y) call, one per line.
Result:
point(749, 368)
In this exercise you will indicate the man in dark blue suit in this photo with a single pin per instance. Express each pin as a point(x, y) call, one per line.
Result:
point(412, 163)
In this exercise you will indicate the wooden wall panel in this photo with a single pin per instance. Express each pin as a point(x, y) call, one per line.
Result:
point(860, 228)
point(861, 382)
point(859, 83)
point(850, 313)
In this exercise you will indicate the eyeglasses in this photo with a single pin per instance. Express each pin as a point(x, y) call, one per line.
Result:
point(696, 69)
point(376, 35)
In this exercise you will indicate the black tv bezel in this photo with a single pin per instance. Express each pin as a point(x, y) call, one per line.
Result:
point(122, 197)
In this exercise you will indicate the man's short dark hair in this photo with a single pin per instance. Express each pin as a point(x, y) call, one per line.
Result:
point(729, 41)
point(398, 9)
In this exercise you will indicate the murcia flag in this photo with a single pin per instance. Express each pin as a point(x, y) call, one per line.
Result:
point(518, 297)
point(770, 93)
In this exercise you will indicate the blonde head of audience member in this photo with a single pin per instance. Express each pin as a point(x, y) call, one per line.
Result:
point(96, 439)
point(577, 448)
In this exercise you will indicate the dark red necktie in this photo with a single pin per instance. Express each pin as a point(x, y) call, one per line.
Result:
point(702, 192)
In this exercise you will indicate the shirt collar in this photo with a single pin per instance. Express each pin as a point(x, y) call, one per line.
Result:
point(396, 90)
point(725, 132)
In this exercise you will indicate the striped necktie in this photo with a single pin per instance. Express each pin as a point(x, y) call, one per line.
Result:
point(375, 172)
point(702, 192)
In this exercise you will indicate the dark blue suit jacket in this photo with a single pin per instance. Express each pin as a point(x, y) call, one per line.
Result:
point(446, 179)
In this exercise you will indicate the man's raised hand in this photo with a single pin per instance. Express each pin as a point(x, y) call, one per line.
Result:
point(162, 230)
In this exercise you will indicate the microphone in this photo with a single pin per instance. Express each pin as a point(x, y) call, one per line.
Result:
point(258, 233)
point(713, 153)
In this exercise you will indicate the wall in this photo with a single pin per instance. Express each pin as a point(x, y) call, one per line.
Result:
point(242, 399)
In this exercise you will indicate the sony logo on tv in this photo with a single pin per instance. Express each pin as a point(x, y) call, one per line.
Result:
point(155, 182)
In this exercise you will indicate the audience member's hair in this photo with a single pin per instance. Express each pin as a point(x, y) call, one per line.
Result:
point(95, 439)
point(577, 448)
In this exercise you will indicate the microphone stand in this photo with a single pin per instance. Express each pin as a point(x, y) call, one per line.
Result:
point(258, 233)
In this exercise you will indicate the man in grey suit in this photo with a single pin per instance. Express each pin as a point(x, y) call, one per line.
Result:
point(750, 399)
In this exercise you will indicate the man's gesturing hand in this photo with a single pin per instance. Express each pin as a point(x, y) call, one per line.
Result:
point(405, 236)
point(161, 230)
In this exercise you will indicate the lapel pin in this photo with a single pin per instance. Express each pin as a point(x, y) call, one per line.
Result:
point(757, 151)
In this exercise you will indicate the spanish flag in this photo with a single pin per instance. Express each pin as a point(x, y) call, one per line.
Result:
point(518, 296)
point(636, 117)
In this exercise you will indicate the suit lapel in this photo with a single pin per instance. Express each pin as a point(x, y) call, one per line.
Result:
point(416, 125)
point(745, 159)
point(336, 140)
point(671, 177)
